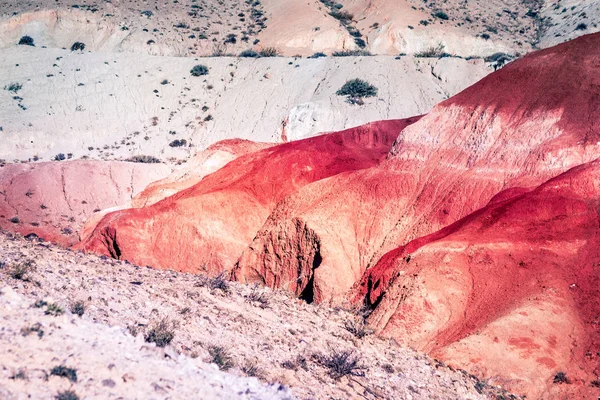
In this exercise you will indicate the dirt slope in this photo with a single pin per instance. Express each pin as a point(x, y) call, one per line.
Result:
point(118, 105)
point(263, 333)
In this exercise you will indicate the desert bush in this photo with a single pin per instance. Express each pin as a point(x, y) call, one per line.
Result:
point(499, 59)
point(269, 52)
point(249, 54)
point(35, 328)
point(250, 368)
point(340, 363)
point(351, 53)
point(433, 52)
point(259, 297)
point(144, 159)
point(441, 15)
point(78, 46)
point(318, 55)
point(199, 70)
point(221, 357)
point(14, 87)
point(161, 333)
point(178, 143)
point(78, 308)
point(67, 395)
point(64, 372)
point(54, 310)
point(59, 157)
point(22, 271)
point(20, 374)
point(357, 88)
point(147, 13)
point(26, 41)
point(581, 27)
point(341, 15)
point(560, 378)
point(358, 328)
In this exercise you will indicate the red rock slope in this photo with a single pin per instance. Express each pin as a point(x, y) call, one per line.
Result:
point(510, 292)
point(530, 121)
point(206, 227)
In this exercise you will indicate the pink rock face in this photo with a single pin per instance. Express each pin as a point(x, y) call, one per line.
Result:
point(54, 199)
point(510, 292)
point(530, 121)
point(206, 227)
point(204, 163)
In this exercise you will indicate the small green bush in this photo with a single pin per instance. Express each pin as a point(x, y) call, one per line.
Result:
point(441, 15)
point(199, 70)
point(64, 372)
point(269, 52)
point(14, 87)
point(221, 357)
point(249, 54)
point(26, 41)
point(357, 88)
point(351, 53)
point(161, 333)
point(67, 395)
point(433, 52)
point(78, 46)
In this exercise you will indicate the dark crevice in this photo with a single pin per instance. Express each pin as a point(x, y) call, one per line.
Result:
point(308, 294)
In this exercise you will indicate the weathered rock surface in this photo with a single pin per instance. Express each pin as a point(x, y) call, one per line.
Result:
point(54, 199)
point(213, 221)
point(516, 128)
point(517, 281)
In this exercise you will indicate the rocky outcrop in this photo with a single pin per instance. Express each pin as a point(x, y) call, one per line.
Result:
point(516, 128)
point(517, 281)
point(207, 226)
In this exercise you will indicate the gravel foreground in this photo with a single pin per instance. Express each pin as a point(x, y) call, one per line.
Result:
point(221, 339)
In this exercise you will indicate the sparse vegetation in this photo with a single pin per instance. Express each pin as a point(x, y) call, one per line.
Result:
point(178, 143)
point(249, 54)
point(78, 308)
point(340, 363)
point(161, 333)
point(437, 51)
point(22, 271)
point(356, 90)
point(14, 87)
point(441, 15)
point(351, 53)
point(560, 378)
point(26, 41)
point(144, 159)
point(199, 70)
point(269, 52)
point(35, 328)
point(220, 356)
point(358, 328)
point(250, 368)
point(78, 46)
point(54, 310)
point(65, 372)
point(67, 395)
